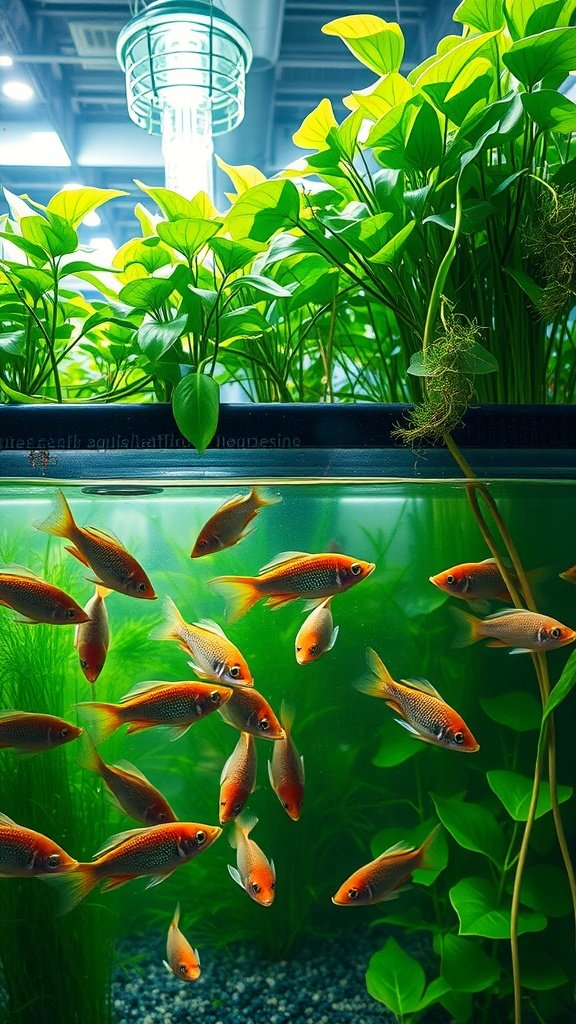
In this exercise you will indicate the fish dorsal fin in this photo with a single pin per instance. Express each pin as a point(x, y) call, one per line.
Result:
point(246, 822)
point(287, 715)
point(488, 561)
point(397, 848)
point(508, 611)
point(20, 570)
point(5, 820)
point(232, 501)
point(143, 688)
point(211, 626)
point(119, 839)
point(418, 683)
point(127, 766)
point(103, 535)
point(282, 559)
point(8, 714)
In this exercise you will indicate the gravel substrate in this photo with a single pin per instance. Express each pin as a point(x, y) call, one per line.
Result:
point(323, 984)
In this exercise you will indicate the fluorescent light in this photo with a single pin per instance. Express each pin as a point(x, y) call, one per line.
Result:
point(103, 250)
point(20, 147)
point(70, 186)
point(5, 61)
point(92, 219)
point(16, 90)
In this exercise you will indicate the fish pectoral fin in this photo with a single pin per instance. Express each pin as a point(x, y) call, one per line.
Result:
point(407, 726)
point(311, 604)
point(496, 643)
point(200, 672)
point(235, 874)
point(481, 607)
point(419, 683)
point(130, 769)
point(333, 638)
point(278, 600)
point(76, 554)
point(168, 968)
point(115, 882)
point(5, 820)
point(520, 650)
point(270, 776)
point(177, 731)
point(211, 626)
point(139, 727)
point(158, 879)
point(24, 620)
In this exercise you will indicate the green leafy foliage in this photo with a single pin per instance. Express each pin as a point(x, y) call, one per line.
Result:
point(481, 913)
point(465, 965)
point(515, 793)
point(196, 403)
point(517, 710)
point(472, 826)
point(396, 979)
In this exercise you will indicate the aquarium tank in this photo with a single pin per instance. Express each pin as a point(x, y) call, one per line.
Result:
point(343, 574)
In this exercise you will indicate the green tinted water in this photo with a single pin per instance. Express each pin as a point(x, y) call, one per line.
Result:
point(368, 783)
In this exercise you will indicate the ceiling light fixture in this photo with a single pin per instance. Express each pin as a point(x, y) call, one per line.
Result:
point(6, 61)
point(185, 65)
point(16, 90)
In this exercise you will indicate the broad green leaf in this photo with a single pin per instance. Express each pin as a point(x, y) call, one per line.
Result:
point(541, 966)
point(515, 792)
point(474, 217)
point(472, 826)
point(313, 131)
point(264, 209)
point(106, 315)
point(545, 888)
point(54, 237)
point(19, 207)
point(376, 43)
point(423, 150)
point(459, 1006)
point(397, 746)
point(475, 900)
point(35, 282)
point(195, 404)
point(483, 15)
point(557, 14)
point(518, 710)
point(390, 132)
point(188, 234)
point(146, 220)
point(12, 343)
point(434, 993)
point(241, 323)
point(257, 283)
point(395, 979)
point(388, 253)
point(551, 110)
point(532, 58)
point(35, 252)
point(156, 338)
point(465, 965)
point(76, 267)
point(242, 177)
point(174, 206)
point(526, 283)
point(74, 203)
point(447, 67)
point(135, 260)
point(565, 173)
point(563, 686)
point(390, 90)
point(148, 293)
point(233, 256)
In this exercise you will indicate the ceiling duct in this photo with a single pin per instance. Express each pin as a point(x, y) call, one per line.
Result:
point(95, 39)
point(262, 22)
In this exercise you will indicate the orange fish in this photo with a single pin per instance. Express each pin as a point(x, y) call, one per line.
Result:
point(238, 778)
point(385, 877)
point(130, 789)
point(31, 733)
point(101, 552)
point(317, 634)
point(177, 705)
point(474, 581)
point(228, 524)
point(26, 854)
point(215, 657)
point(248, 711)
point(92, 638)
point(254, 873)
point(35, 600)
point(569, 575)
point(291, 575)
point(424, 713)
point(183, 961)
point(518, 628)
point(155, 851)
point(286, 769)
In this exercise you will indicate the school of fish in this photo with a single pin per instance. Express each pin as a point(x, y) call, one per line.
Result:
point(225, 684)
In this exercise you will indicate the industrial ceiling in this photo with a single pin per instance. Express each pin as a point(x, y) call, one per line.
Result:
point(65, 50)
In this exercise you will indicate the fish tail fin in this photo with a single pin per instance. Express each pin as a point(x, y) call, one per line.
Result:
point(244, 824)
point(88, 757)
point(102, 718)
point(287, 715)
point(172, 623)
point(102, 591)
point(239, 592)
point(60, 522)
point(377, 679)
point(468, 628)
point(73, 886)
point(262, 498)
point(428, 848)
point(176, 917)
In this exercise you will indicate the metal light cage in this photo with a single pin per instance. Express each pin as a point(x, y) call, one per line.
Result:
point(184, 44)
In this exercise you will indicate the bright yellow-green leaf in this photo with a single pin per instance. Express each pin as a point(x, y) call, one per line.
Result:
point(74, 203)
point(389, 91)
point(313, 131)
point(447, 67)
point(376, 43)
point(482, 15)
point(388, 253)
point(203, 207)
point(444, 46)
point(243, 177)
point(146, 220)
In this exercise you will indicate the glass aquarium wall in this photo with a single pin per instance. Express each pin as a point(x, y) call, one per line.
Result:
point(403, 723)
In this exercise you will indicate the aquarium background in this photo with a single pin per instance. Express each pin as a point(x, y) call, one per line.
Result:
point(368, 783)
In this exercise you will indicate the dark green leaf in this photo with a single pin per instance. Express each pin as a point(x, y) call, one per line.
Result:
point(187, 235)
point(423, 150)
point(156, 338)
point(518, 710)
point(472, 826)
point(465, 965)
point(515, 792)
point(146, 293)
point(35, 282)
point(542, 969)
point(195, 404)
point(434, 993)
point(551, 110)
point(526, 283)
point(475, 900)
point(258, 284)
point(264, 209)
point(563, 686)
point(388, 253)
point(459, 1006)
point(545, 888)
point(233, 256)
point(395, 979)
point(241, 323)
point(551, 52)
point(556, 14)
point(397, 746)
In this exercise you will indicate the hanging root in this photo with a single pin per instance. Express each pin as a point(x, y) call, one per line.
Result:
point(550, 241)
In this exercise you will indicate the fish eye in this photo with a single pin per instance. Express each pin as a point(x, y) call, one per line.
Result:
point(237, 808)
point(200, 837)
point(353, 894)
point(255, 887)
point(264, 725)
point(141, 587)
point(64, 732)
point(160, 817)
point(313, 649)
point(285, 805)
point(556, 633)
point(202, 543)
point(182, 968)
point(235, 671)
point(356, 569)
point(298, 648)
point(458, 737)
point(450, 578)
point(53, 860)
point(70, 614)
point(83, 663)
point(215, 697)
point(272, 885)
